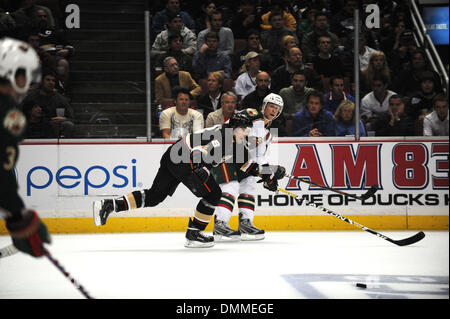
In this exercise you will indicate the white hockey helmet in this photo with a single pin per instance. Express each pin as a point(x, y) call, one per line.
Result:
point(17, 56)
point(273, 99)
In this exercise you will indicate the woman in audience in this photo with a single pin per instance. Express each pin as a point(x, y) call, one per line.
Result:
point(345, 122)
point(377, 64)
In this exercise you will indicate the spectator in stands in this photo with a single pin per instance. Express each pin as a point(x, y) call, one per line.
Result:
point(176, 50)
point(314, 120)
point(436, 123)
point(306, 25)
point(174, 27)
point(342, 20)
point(226, 38)
point(345, 120)
point(309, 42)
point(203, 21)
point(392, 40)
point(289, 21)
point(281, 77)
point(54, 41)
point(421, 103)
point(325, 63)
point(255, 98)
point(48, 61)
point(394, 122)
point(171, 78)
point(253, 44)
point(365, 52)
point(337, 94)
point(377, 101)
point(228, 103)
point(294, 95)
point(271, 39)
point(7, 24)
point(245, 18)
point(287, 42)
point(408, 81)
point(377, 64)
point(209, 59)
point(210, 101)
point(26, 17)
point(246, 81)
point(48, 112)
point(160, 19)
point(399, 59)
point(179, 120)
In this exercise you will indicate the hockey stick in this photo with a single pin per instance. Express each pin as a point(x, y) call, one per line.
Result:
point(8, 251)
point(364, 196)
point(67, 274)
point(403, 242)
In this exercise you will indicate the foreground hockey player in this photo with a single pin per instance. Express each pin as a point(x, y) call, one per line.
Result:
point(235, 184)
point(19, 67)
point(188, 161)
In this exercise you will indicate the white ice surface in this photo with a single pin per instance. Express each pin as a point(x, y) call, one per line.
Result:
point(287, 265)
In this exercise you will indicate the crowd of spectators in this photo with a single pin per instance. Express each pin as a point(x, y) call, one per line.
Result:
point(303, 50)
point(47, 104)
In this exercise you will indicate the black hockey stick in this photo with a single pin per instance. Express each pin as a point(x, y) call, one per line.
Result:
point(403, 242)
point(364, 196)
point(67, 274)
point(8, 251)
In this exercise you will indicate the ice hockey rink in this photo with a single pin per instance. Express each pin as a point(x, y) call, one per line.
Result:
point(286, 265)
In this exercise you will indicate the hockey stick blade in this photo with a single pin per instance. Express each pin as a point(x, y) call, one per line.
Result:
point(8, 251)
point(410, 240)
point(370, 192)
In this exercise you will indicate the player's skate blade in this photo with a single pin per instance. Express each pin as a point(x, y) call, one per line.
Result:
point(96, 206)
point(227, 239)
point(251, 237)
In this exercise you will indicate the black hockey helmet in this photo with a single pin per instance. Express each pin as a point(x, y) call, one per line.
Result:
point(240, 119)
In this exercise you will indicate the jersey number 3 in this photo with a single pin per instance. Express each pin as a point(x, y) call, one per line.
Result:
point(10, 157)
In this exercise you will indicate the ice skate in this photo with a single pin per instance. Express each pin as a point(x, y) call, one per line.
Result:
point(101, 210)
point(248, 231)
point(223, 233)
point(195, 238)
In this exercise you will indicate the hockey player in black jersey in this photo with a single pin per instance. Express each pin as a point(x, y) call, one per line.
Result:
point(189, 161)
point(19, 67)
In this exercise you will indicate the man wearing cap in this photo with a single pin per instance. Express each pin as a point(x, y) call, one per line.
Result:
point(246, 81)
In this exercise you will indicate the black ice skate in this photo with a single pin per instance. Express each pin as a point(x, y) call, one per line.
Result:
point(101, 210)
point(222, 232)
point(196, 238)
point(248, 231)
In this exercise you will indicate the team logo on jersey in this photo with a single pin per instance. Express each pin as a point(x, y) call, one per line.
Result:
point(15, 122)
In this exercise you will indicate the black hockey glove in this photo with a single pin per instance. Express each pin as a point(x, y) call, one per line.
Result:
point(271, 185)
point(29, 233)
point(270, 176)
point(201, 174)
point(279, 172)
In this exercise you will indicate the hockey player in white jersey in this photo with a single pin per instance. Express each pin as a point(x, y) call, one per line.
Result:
point(242, 186)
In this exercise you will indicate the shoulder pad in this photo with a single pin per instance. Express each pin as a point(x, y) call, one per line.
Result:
point(253, 114)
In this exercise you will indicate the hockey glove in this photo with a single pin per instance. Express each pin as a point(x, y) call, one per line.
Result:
point(279, 172)
point(271, 185)
point(29, 233)
point(201, 174)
